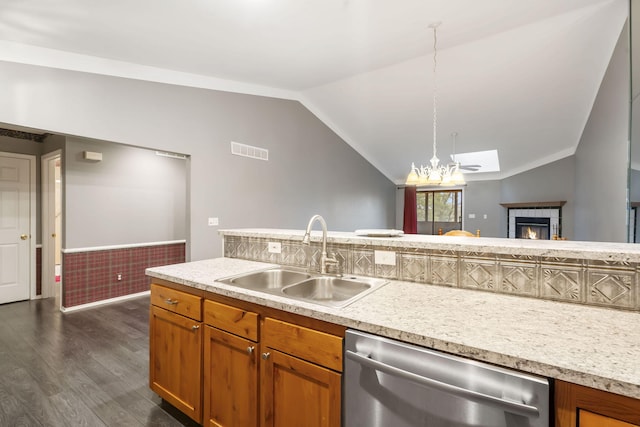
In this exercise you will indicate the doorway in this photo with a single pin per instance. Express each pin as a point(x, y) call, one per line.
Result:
point(51, 224)
point(17, 227)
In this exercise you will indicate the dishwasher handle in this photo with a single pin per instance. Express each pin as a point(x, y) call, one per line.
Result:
point(506, 405)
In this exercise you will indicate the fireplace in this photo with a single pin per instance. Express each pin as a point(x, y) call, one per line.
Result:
point(533, 228)
point(542, 218)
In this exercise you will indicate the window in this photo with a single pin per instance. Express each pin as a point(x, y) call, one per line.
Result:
point(439, 210)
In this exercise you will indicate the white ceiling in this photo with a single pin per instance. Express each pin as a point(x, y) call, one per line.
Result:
point(517, 76)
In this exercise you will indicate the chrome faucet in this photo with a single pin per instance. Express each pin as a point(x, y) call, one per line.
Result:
point(306, 240)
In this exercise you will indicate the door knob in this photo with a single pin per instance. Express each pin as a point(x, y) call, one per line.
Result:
point(250, 349)
point(265, 356)
point(53, 235)
point(24, 236)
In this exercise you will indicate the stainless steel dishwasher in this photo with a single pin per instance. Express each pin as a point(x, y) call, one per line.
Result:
point(393, 384)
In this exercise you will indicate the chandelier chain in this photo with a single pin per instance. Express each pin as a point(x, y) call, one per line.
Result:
point(435, 89)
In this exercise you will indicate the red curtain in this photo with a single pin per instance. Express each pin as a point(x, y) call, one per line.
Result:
point(410, 210)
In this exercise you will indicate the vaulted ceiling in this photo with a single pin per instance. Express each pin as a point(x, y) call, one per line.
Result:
point(516, 76)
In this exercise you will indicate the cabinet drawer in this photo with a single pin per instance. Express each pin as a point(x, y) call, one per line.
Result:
point(308, 344)
point(177, 301)
point(231, 319)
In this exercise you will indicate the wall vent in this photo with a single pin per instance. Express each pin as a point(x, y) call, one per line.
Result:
point(249, 151)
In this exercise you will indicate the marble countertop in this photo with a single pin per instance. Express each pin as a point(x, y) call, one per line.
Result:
point(595, 347)
point(603, 251)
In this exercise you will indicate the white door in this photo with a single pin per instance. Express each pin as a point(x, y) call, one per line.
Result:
point(51, 223)
point(14, 229)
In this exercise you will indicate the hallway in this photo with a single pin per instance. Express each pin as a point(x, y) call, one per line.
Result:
point(87, 368)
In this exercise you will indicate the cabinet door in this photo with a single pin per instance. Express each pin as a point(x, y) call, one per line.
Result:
point(298, 393)
point(589, 419)
point(582, 406)
point(175, 356)
point(230, 380)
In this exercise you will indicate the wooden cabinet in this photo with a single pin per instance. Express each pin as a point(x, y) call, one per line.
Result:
point(301, 376)
point(579, 406)
point(175, 349)
point(230, 363)
point(236, 364)
point(230, 366)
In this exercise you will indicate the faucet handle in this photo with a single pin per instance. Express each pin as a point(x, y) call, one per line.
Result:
point(332, 263)
point(331, 259)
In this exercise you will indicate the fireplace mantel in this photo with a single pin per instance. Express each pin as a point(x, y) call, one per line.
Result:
point(534, 204)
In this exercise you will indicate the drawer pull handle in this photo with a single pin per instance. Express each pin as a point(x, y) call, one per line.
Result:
point(250, 349)
point(171, 301)
point(265, 356)
point(195, 327)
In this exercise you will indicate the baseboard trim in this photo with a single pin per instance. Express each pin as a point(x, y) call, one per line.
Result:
point(104, 302)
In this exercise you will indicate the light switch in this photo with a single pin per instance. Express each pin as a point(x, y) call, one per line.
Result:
point(212, 222)
point(472, 216)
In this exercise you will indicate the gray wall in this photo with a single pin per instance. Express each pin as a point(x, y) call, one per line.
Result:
point(602, 157)
point(131, 196)
point(483, 198)
point(552, 182)
point(634, 191)
point(20, 146)
point(311, 170)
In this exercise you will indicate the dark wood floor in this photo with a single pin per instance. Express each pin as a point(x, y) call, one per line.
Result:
point(87, 368)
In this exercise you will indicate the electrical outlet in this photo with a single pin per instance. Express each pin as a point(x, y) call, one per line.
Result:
point(384, 257)
point(212, 222)
point(119, 276)
point(275, 247)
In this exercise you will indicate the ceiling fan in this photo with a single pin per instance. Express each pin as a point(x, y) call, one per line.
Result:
point(470, 168)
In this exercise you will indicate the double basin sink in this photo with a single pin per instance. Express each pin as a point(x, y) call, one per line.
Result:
point(332, 291)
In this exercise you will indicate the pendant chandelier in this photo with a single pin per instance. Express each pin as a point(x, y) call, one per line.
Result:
point(436, 174)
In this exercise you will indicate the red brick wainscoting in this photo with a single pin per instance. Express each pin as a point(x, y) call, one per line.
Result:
point(95, 275)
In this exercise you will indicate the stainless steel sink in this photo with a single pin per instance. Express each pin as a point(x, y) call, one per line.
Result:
point(332, 291)
point(276, 278)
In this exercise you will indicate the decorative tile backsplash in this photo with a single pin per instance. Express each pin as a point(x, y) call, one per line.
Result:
point(600, 283)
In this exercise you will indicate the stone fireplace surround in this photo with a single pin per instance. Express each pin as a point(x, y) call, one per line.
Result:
point(551, 210)
point(590, 273)
point(552, 213)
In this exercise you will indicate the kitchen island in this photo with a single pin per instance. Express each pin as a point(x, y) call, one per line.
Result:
point(582, 344)
point(592, 346)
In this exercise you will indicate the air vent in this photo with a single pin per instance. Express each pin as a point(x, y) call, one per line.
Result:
point(249, 151)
